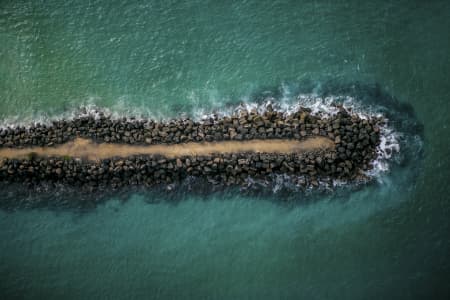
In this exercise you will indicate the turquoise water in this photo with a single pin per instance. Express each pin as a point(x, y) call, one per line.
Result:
point(169, 58)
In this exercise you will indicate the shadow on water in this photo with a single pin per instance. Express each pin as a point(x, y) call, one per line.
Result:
point(60, 197)
point(404, 166)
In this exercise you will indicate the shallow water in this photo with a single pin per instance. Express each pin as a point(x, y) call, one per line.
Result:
point(385, 240)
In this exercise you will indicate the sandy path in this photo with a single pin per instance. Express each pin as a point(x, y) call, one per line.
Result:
point(87, 149)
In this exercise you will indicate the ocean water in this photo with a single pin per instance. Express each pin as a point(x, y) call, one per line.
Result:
point(165, 59)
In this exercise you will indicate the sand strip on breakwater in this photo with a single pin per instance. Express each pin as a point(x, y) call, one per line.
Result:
point(87, 149)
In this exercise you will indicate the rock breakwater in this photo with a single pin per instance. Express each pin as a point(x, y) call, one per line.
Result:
point(350, 141)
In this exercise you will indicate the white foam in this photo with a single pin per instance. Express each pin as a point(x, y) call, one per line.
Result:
point(389, 145)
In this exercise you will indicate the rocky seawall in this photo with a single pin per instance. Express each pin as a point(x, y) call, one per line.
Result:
point(355, 139)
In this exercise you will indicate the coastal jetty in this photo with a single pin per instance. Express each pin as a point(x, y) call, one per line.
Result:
point(103, 152)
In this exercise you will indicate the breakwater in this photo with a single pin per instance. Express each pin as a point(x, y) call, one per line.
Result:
point(100, 151)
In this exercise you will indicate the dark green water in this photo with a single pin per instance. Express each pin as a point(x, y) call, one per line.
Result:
point(389, 240)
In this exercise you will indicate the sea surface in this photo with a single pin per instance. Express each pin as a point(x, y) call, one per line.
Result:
point(389, 239)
